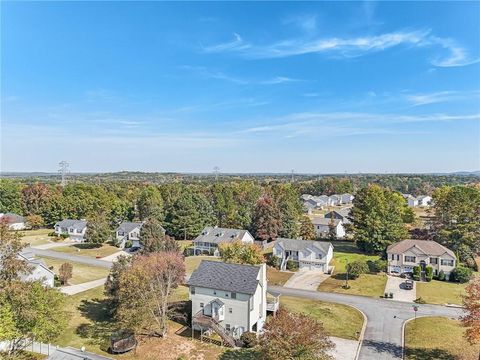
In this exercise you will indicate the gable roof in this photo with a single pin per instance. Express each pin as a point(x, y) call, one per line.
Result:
point(227, 277)
point(12, 218)
point(218, 235)
point(342, 212)
point(76, 224)
point(324, 221)
point(127, 226)
point(301, 245)
point(428, 247)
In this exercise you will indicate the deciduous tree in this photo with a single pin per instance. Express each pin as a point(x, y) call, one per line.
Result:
point(150, 203)
point(11, 265)
point(35, 221)
point(154, 239)
point(98, 230)
point(471, 305)
point(266, 219)
point(241, 253)
point(307, 230)
point(112, 285)
point(65, 273)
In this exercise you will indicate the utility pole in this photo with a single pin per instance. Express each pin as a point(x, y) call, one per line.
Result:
point(293, 175)
point(216, 170)
point(63, 171)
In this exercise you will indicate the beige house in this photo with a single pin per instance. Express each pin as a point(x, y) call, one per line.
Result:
point(406, 254)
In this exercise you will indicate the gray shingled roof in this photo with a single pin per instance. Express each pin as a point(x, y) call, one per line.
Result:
point(127, 226)
point(12, 218)
point(429, 247)
point(227, 277)
point(301, 245)
point(342, 212)
point(324, 221)
point(76, 224)
point(218, 235)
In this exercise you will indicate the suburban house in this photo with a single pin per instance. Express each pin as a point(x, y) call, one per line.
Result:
point(308, 254)
point(322, 227)
point(75, 229)
point(39, 270)
point(347, 198)
point(412, 201)
point(406, 254)
point(334, 200)
point(229, 299)
point(311, 204)
point(129, 232)
point(424, 200)
point(306, 197)
point(340, 214)
point(211, 237)
point(14, 221)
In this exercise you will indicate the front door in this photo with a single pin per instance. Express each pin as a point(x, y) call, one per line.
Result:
point(423, 265)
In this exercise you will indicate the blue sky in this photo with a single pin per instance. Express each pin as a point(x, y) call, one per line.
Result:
point(248, 87)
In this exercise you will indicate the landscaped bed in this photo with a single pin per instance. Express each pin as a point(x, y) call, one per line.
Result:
point(437, 338)
point(81, 272)
point(86, 249)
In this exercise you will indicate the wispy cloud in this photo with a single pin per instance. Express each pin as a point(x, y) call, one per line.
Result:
point(306, 22)
point(351, 47)
point(439, 97)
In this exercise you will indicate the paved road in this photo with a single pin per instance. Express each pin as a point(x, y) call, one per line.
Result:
point(383, 333)
point(69, 257)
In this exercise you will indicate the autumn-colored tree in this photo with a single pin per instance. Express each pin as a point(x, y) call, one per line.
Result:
point(112, 285)
point(154, 239)
point(11, 266)
point(35, 221)
point(241, 253)
point(307, 229)
point(98, 230)
point(35, 198)
point(144, 291)
point(266, 219)
point(65, 273)
point(291, 335)
point(471, 305)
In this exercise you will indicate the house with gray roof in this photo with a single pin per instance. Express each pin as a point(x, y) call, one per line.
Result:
point(211, 237)
point(129, 232)
point(308, 254)
point(228, 299)
point(346, 198)
point(339, 214)
point(322, 227)
point(75, 229)
point(404, 255)
point(14, 221)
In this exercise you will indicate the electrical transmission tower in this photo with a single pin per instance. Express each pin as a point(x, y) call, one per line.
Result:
point(63, 171)
point(293, 175)
point(216, 170)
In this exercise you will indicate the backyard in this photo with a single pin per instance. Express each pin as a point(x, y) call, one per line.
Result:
point(437, 338)
point(81, 272)
point(277, 277)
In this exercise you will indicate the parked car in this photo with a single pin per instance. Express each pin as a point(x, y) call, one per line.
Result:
point(408, 285)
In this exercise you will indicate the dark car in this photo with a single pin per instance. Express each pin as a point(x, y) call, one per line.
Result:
point(408, 285)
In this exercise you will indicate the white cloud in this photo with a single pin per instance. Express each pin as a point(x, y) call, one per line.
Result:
point(234, 45)
point(439, 96)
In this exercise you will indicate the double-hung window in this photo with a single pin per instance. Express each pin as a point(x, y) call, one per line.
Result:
point(410, 259)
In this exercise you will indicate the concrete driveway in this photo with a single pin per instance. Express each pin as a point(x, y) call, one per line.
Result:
point(306, 280)
point(344, 349)
point(395, 285)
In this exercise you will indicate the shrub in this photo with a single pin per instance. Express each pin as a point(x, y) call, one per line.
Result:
point(461, 274)
point(390, 295)
point(128, 244)
point(419, 300)
point(378, 265)
point(356, 268)
point(249, 339)
point(441, 276)
point(65, 236)
point(273, 261)
point(52, 234)
point(416, 273)
point(292, 265)
point(429, 273)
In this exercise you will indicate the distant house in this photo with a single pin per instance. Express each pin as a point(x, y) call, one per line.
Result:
point(310, 205)
point(229, 299)
point(211, 237)
point(75, 229)
point(322, 227)
point(129, 232)
point(347, 198)
point(14, 221)
point(412, 201)
point(334, 200)
point(39, 270)
point(305, 197)
point(424, 200)
point(308, 254)
point(340, 214)
point(404, 255)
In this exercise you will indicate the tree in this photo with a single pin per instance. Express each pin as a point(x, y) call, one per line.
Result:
point(150, 203)
point(240, 253)
point(291, 335)
point(356, 268)
point(291, 209)
point(35, 197)
point(65, 273)
point(8, 330)
point(98, 230)
point(332, 229)
point(471, 305)
point(112, 285)
point(377, 218)
point(35, 221)
point(10, 196)
point(307, 229)
point(154, 239)
point(461, 274)
point(11, 266)
point(145, 288)
point(266, 219)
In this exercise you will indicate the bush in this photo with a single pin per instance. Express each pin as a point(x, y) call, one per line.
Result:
point(292, 265)
point(249, 339)
point(419, 300)
point(461, 274)
point(52, 234)
point(429, 273)
point(273, 261)
point(65, 236)
point(377, 265)
point(416, 273)
point(441, 276)
point(356, 268)
point(128, 244)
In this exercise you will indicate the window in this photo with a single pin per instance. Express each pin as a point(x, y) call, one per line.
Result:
point(234, 295)
point(230, 310)
point(214, 292)
point(393, 257)
point(192, 290)
point(121, 233)
point(201, 305)
point(433, 260)
point(227, 327)
point(410, 259)
point(319, 256)
point(251, 303)
point(398, 257)
point(447, 262)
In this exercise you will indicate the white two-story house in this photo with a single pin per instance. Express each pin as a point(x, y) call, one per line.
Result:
point(211, 237)
point(38, 270)
point(75, 229)
point(228, 299)
point(129, 231)
point(406, 254)
point(308, 254)
point(322, 227)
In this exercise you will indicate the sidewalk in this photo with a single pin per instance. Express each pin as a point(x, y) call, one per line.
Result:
point(75, 289)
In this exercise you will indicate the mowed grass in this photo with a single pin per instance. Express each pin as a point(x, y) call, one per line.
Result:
point(184, 244)
point(36, 237)
point(81, 272)
point(345, 252)
point(192, 262)
point(84, 250)
point(441, 292)
point(437, 338)
point(277, 277)
point(338, 320)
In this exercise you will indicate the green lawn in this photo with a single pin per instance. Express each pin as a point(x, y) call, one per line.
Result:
point(85, 249)
point(276, 277)
point(81, 272)
point(441, 292)
point(36, 237)
point(437, 338)
point(192, 262)
point(339, 320)
point(184, 244)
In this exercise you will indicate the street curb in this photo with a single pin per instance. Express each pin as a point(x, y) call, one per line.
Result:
point(362, 332)
point(403, 331)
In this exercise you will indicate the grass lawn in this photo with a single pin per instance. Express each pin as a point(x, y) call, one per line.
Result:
point(441, 292)
point(437, 338)
point(277, 277)
point(339, 320)
point(86, 250)
point(36, 237)
point(192, 262)
point(81, 272)
point(184, 244)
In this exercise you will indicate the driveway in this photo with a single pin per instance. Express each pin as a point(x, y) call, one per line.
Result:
point(395, 285)
point(306, 280)
point(344, 349)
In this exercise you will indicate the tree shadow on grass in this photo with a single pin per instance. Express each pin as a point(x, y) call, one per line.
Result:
point(240, 354)
point(422, 354)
